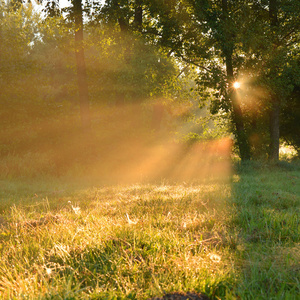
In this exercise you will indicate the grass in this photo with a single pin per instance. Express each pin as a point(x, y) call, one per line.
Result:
point(238, 239)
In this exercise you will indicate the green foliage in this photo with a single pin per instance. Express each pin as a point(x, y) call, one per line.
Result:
point(172, 53)
point(126, 68)
point(290, 119)
point(39, 90)
point(261, 55)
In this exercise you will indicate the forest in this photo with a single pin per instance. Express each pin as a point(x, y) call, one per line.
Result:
point(84, 79)
point(149, 149)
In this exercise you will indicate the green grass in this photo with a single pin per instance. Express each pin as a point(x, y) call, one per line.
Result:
point(238, 239)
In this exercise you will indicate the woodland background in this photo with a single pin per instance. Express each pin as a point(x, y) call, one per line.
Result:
point(92, 81)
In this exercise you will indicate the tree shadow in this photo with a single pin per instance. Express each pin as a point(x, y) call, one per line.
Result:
point(266, 207)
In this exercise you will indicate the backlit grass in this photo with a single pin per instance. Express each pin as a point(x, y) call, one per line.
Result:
point(230, 240)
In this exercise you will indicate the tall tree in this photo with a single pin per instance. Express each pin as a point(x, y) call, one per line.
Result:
point(275, 55)
point(81, 66)
point(138, 15)
point(227, 49)
point(275, 101)
point(216, 54)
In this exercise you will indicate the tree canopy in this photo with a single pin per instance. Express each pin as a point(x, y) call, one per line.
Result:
point(176, 60)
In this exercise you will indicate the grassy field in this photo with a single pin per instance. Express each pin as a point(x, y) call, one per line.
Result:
point(232, 239)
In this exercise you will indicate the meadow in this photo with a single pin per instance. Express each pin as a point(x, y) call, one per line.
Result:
point(237, 238)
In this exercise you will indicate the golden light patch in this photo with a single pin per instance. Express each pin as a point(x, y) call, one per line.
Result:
point(215, 258)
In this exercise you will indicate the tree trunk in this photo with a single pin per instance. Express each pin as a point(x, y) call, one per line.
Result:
point(237, 115)
point(123, 23)
point(81, 67)
point(138, 16)
point(275, 103)
point(274, 129)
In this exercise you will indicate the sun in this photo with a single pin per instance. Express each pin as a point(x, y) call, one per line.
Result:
point(236, 85)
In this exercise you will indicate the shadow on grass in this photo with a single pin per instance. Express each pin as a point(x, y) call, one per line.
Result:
point(266, 202)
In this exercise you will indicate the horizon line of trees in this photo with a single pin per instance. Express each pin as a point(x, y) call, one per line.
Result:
point(186, 52)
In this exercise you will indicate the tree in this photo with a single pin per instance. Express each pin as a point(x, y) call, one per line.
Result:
point(52, 10)
point(141, 69)
point(275, 101)
point(216, 55)
point(81, 67)
point(20, 105)
point(136, 50)
point(227, 48)
point(251, 41)
point(290, 112)
point(278, 27)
